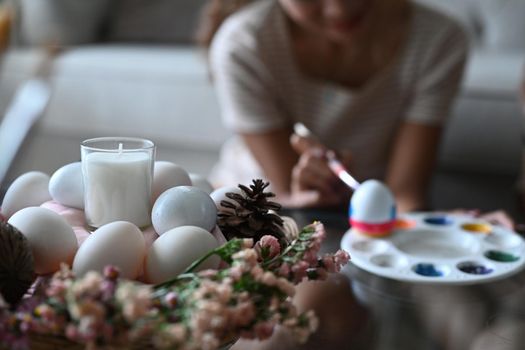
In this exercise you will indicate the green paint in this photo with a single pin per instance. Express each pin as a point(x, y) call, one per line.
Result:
point(497, 255)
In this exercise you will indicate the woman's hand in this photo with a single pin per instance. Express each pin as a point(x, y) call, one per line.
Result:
point(312, 181)
point(497, 217)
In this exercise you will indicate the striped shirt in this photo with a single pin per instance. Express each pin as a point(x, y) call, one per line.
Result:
point(260, 88)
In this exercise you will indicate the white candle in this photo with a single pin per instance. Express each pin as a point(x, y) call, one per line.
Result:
point(117, 186)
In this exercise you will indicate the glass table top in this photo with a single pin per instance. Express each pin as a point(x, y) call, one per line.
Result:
point(404, 315)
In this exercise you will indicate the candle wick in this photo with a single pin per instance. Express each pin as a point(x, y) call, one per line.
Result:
point(120, 148)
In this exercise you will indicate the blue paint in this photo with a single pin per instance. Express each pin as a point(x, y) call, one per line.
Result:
point(428, 270)
point(438, 220)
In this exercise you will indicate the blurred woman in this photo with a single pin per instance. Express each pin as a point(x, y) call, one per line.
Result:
point(372, 80)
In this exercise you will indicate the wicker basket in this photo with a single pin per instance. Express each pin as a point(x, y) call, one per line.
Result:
point(48, 342)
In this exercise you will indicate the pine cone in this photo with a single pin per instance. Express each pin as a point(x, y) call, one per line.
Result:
point(251, 214)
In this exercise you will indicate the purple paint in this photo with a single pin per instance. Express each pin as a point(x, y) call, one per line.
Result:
point(475, 269)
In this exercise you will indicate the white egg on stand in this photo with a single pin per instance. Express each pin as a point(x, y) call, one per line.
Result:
point(219, 195)
point(51, 238)
point(66, 187)
point(27, 190)
point(120, 244)
point(167, 175)
point(201, 182)
point(174, 251)
point(372, 209)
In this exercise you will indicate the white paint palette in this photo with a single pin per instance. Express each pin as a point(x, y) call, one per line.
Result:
point(439, 249)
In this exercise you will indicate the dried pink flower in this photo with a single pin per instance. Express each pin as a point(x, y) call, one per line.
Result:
point(171, 299)
point(135, 300)
point(267, 247)
point(247, 243)
point(243, 313)
point(248, 256)
point(329, 263)
point(341, 257)
point(299, 270)
point(264, 330)
point(111, 272)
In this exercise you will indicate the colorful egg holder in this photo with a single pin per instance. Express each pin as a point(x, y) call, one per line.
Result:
point(439, 249)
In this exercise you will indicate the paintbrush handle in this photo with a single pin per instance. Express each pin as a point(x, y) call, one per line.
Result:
point(339, 169)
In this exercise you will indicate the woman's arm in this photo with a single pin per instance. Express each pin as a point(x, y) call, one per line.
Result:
point(411, 164)
point(274, 154)
point(300, 178)
point(416, 144)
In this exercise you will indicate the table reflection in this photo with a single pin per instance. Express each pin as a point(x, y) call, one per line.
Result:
point(420, 316)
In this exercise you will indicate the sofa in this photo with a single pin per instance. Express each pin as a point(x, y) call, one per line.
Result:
point(481, 161)
point(113, 79)
point(131, 68)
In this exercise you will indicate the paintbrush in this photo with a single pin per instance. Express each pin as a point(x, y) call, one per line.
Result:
point(340, 170)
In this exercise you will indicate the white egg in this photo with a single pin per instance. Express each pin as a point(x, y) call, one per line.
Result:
point(65, 186)
point(118, 243)
point(182, 206)
point(174, 251)
point(28, 190)
point(372, 202)
point(167, 175)
point(220, 195)
point(201, 182)
point(51, 238)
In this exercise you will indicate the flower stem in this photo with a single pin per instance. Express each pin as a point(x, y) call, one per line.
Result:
point(224, 251)
point(196, 263)
point(286, 251)
point(172, 281)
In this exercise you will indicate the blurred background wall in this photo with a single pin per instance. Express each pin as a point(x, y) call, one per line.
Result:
point(130, 67)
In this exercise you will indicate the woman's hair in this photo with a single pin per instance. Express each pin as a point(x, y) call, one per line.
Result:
point(212, 16)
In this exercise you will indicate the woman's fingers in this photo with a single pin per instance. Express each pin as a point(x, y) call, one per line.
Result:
point(313, 183)
point(312, 172)
point(346, 158)
point(498, 217)
point(304, 199)
point(308, 199)
point(303, 144)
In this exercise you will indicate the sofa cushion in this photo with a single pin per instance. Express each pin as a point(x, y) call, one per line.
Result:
point(464, 11)
point(160, 92)
point(494, 24)
point(156, 21)
point(490, 72)
point(64, 22)
point(504, 24)
point(484, 133)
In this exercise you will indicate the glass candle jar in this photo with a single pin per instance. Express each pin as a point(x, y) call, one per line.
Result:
point(117, 173)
